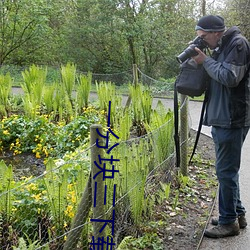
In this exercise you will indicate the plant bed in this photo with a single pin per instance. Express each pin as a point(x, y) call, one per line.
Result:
point(180, 217)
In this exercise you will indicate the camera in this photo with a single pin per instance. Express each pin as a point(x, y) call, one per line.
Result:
point(190, 51)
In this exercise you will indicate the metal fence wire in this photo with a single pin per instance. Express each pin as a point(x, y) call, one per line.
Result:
point(100, 198)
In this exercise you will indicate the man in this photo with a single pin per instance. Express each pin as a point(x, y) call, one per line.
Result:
point(228, 112)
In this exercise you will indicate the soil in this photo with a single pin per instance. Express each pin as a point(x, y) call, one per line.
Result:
point(25, 164)
point(187, 223)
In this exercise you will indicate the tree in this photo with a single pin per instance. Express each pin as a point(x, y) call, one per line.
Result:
point(105, 36)
point(237, 13)
point(20, 22)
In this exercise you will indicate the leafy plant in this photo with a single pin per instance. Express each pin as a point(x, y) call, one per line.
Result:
point(30, 208)
point(133, 171)
point(165, 190)
point(106, 92)
point(123, 124)
point(68, 74)
point(83, 91)
point(45, 138)
point(22, 245)
point(184, 181)
point(161, 129)
point(5, 90)
point(48, 98)
point(56, 184)
point(6, 184)
point(34, 81)
point(176, 199)
point(147, 241)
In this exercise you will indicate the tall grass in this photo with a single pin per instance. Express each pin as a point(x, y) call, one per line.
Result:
point(68, 74)
point(5, 90)
point(6, 197)
point(161, 128)
point(106, 92)
point(83, 91)
point(141, 103)
point(33, 86)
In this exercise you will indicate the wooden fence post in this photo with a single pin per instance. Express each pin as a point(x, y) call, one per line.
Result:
point(93, 194)
point(79, 219)
point(135, 82)
point(135, 74)
point(97, 183)
point(184, 135)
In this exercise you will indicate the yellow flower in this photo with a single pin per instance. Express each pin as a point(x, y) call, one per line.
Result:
point(69, 211)
point(14, 209)
point(37, 196)
point(45, 151)
point(6, 132)
point(31, 187)
point(16, 152)
point(38, 156)
point(73, 199)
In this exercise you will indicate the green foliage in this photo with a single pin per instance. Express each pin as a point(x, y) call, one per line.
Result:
point(48, 98)
point(133, 171)
point(33, 85)
point(103, 36)
point(5, 90)
point(161, 126)
point(123, 124)
point(49, 197)
point(106, 92)
point(83, 90)
point(141, 103)
point(147, 241)
point(29, 245)
point(43, 137)
point(6, 184)
point(30, 206)
point(23, 25)
point(68, 74)
point(184, 181)
point(57, 188)
point(165, 190)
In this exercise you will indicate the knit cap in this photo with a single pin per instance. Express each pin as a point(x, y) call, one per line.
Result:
point(210, 23)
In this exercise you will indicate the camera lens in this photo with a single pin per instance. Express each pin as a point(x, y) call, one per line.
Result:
point(187, 53)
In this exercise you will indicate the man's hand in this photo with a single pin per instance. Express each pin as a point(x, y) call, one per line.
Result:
point(200, 58)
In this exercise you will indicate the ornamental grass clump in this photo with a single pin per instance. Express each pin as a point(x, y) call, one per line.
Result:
point(34, 80)
point(106, 92)
point(83, 91)
point(68, 75)
point(5, 91)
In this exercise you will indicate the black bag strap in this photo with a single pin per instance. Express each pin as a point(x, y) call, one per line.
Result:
point(176, 126)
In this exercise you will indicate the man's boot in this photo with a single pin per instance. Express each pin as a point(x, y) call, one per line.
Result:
point(241, 219)
point(221, 231)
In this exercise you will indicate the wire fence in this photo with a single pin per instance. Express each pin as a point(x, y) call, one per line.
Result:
point(67, 207)
point(158, 87)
